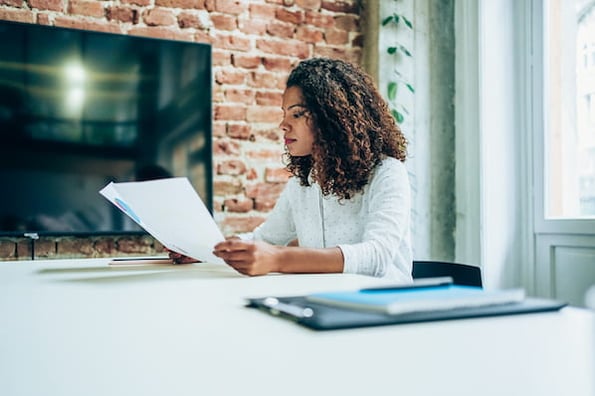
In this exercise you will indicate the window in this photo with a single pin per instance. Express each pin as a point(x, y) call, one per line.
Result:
point(570, 109)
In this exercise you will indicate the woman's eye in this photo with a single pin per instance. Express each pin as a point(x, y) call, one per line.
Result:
point(299, 114)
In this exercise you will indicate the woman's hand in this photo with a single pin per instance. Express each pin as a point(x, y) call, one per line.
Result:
point(179, 258)
point(249, 257)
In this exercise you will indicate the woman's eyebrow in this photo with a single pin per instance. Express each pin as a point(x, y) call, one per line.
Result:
point(295, 105)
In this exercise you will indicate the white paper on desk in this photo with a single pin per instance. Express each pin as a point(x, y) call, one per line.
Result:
point(172, 212)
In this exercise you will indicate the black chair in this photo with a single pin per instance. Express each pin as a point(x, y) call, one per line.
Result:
point(461, 274)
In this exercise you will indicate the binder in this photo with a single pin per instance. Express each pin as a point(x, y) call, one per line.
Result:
point(318, 316)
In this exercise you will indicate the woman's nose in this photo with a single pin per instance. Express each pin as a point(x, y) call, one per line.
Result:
point(283, 125)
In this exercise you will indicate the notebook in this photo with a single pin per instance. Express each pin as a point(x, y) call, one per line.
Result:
point(403, 300)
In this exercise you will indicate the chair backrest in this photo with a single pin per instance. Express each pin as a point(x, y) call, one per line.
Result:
point(461, 274)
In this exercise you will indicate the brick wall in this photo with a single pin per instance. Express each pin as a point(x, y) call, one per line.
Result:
point(255, 44)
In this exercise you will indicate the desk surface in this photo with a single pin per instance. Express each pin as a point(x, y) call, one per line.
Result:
point(79, 327)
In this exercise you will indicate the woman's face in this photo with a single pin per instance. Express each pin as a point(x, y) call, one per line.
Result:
point(297, 123)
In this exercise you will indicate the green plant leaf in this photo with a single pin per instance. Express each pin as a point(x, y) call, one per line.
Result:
point(410, 87)
point(392, 90)
point(405, 50)
point(407, 22)
point(387, 20)
point(399, 117)
point(391, 50)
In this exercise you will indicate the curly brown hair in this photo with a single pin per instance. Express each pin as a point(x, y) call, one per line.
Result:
point(353, 127)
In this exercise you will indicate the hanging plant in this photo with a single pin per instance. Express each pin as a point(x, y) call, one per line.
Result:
point(397, 81)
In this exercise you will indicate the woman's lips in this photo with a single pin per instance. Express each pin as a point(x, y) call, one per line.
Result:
point(289, 141)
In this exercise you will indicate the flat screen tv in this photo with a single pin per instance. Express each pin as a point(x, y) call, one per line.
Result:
point(79, 109)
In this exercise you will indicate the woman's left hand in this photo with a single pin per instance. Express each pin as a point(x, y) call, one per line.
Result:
point(249, 257)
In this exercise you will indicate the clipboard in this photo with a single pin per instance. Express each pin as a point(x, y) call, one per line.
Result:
point(324, 317)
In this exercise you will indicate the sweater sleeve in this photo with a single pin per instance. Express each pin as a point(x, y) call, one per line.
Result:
point(385, 247)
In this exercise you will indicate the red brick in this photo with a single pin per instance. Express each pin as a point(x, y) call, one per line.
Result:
point(284, 47)
point(239, 131)
point(218, 129)
point(140, 245)
point(192, 20)
point(308, 4)
point(221, 58)
point(293, 17)
point(87, 25)
point(309, 34)
point(239, 95)
point(274, 156)
point(105, 247)
point(8, 249)
point(203, 37)
point(45, 248)
point(12, 3)
point(246, 61)
point(270, 134)
point(276, 175)
point(264, 190)
point(263, 11)
point(227, 187)
point(231, 167)
point(358, 40)
point(42, 19)
point(319, 20)
point(76, 247)
point(264, 204)
point(251, 174)
point(336, 37)
point(265, 79)
point(232, 42)
point(235, 225)
point(230, 76)
point(350, 54)
point(268, 98)
point(159, 17)
point(272, 114)
point(252, 26)
point(17, 15)
point(218, 93)
point(229, 112)
point(183, 4)
point(162, 32)
point(224, 21)
point(137, 2)
point(238, 206)
point(226, 147)
point(53, 5)
point(233, 7)
point(347, 22)
point(122, 14)
point(281, 29)
point(87, 8)
point(277, 64)
point(348, 7)
point(24, 249)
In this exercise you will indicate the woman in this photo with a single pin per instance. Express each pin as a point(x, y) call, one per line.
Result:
point(348, 202)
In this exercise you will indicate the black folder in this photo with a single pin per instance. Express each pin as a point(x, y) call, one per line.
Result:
point(323, 317)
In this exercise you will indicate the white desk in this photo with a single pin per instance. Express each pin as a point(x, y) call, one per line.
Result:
point(79, 327)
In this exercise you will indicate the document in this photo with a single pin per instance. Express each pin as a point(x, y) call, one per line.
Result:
point(172, 212)
point(408, 300)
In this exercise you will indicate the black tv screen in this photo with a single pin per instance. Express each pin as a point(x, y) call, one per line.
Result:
point(79, 109)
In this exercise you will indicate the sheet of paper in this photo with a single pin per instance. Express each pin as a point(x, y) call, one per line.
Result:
point(172, 212)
